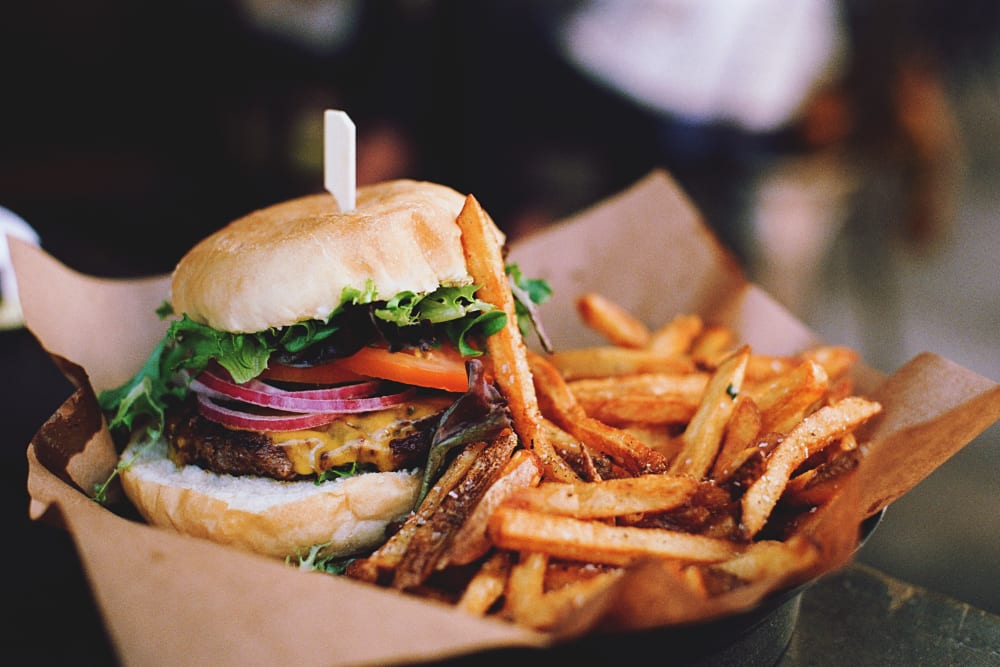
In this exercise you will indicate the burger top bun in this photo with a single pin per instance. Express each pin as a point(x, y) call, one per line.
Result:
point(263, 515)
point(291, 261)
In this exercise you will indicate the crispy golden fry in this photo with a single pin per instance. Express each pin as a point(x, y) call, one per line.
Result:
point(672, 446)
point(555, 449)
point(561, 573)
point(558, 404)
point(714, 343)
point(703, 434)
point(572, 460)
point(390, 554)
point(432, 537)
point(818, 485)
point(620, 446)
point(548, 610)
point(525, 587)
point(488, 584)
point(608, 498)
point(607, 361)
point(657, 437)
point(524, 469)
point(837, 360)
point(738, 443)
point(652, 398)
point(763, 367)
point(840, 388)
point(691, 385)
point(810, 436)
point(772, 560)
point(624, 410)
point(612, 321)
point(676, 336)
point(484, 256)
point(596, 542)
point(790, 396)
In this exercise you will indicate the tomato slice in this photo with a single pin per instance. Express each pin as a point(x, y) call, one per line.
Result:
point(332, 372)
point(442, 368)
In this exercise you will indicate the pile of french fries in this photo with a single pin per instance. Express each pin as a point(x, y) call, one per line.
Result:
point(677, 444)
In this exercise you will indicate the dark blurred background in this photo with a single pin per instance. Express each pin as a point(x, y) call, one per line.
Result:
point(129, 130)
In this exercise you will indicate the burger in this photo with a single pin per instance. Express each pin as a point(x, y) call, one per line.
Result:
point(313, 360)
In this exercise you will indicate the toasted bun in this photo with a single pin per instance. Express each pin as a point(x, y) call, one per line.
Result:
point(291, 262)
point(266, 516)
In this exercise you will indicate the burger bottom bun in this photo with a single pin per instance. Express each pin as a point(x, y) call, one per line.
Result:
point(266, 516)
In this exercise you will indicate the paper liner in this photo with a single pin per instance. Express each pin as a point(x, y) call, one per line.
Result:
point(169, 599)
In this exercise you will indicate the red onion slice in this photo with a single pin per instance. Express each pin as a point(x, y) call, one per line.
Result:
point(246, 420)
point(353, 390)
point(360, 397)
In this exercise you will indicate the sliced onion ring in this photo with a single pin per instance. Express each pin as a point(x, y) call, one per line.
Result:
point(359, 397)
point(247, 420)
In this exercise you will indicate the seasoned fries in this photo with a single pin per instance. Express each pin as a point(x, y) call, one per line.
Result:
point(677, 446)
point(608, 361)
point(612, 321)
point(609, 498)
point(703, 434)
point(597, 542)
point(650, 398)
point(484, 256)
point(810, 436)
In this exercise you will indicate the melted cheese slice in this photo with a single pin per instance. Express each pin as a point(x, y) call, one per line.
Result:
point(362, 437)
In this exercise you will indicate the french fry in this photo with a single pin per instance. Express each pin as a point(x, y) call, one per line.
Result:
point(572, 461)
point(619, 445)
point(525, 588)
point(714, 343)
point(703, 435)
point(612, 321)
point(432, 537)
point(390, 554)
point(674, 447)
point(709, 511)
point(676, 336)
point(691, 385)
point(818, 485)
point(547, 611)
point(596, 542)
point(484, 258)
point(772, 561)
point(607, 498)
point(488, 584)
point(738, 443)
point(559, 405)
point(763, 367)
point(653, 398)
point(840, 388)
point(784, 400)
point(837, 360)
point(810, 436)
point(561, 573)
point(608, 361)
point(524, 469)
point(554, 447)
point(657, 437)
point(624, 409)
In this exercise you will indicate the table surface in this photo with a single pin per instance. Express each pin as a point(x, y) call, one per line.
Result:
point(860, 616)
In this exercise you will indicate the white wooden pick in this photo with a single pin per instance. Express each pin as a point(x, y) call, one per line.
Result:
point(340, 158)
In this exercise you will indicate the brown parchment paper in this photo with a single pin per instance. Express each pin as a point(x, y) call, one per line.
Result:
point(168, 599)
